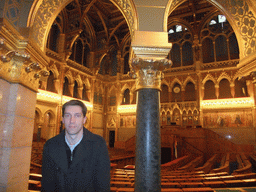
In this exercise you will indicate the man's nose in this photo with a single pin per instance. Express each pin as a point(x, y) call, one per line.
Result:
point(72, 119)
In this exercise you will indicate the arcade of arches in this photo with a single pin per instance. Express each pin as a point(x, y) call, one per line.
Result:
point(55, 50)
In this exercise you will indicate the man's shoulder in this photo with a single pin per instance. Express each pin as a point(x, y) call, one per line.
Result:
point(56, 140)
point(92, 136)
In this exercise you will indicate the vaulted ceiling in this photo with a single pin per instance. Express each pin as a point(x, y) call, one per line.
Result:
point(101, 22)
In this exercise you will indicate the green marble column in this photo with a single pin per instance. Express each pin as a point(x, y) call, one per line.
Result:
point(148, 74)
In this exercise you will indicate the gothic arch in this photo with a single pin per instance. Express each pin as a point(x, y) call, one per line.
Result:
point(209, 77)
point(176, 80)
point(40, 113)
point(125, 87)
point(190, 79)
point(69, 75)
point(87, 83)
point(112, 88)
point(41, 22)
point(246, 40)
point(224, 75)
point(54, 70)
point(79, 81)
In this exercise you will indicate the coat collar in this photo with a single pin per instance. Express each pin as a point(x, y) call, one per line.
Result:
point(82, 151)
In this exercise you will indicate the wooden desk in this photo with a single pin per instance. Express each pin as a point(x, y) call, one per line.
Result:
point(125, 189)
point(191, 184)
point(170, 185)
point(234, 183)
point(120, 184)
point(203, 189)
point(214, 184)
point(170, 190)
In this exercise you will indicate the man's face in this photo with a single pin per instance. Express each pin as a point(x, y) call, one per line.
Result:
point(73, 119)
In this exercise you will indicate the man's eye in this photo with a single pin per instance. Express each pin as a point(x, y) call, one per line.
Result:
point(66, 115)
point(78, 115)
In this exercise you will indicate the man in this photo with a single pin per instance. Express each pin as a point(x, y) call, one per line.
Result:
point(76, 160)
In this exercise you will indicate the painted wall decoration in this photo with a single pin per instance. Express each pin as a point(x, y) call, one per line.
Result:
point(111, 122)
point(227, 119)
point(128, 121)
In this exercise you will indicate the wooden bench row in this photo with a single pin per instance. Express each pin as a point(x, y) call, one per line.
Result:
point(224, 165)
point(184, 185)
point(244, 165)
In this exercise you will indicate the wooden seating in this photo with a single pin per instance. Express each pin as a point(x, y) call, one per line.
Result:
point(214, 184)
point(244, 165)
point(170, 185)
point(245, 176)
point(234, 183)
point(249, 182)
point(113, 189)
point(125, 189)
point(191, 166)
point(212, 178)
point(171, 190)
point(207, 167)
point(34, 185)
point(191, 184)
point(224, 166)
point(121, 184)
point(35, 176)
point(204, 189)
point(176, 163)
point(120, 179)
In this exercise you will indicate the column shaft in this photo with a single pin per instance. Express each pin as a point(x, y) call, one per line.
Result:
point(148, 142)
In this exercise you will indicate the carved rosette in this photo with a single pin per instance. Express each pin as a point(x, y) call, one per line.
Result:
point(149, 72)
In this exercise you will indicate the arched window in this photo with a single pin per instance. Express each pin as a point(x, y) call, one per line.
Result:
point(134, 99)
point(126, 64)
point(225, 42)
point(241, 88)
point(175, 56)
point(95, 98)
point(181, 37)
point(50, 83)
point(84, 94)
point(66, 90)
point(100, 99)
point(176, 116)
point(221, 48)
point(126, 97)
point(187, 54)
point(208, 51)
point(224, 89)
point(209, 90)
point(114, 63)
point(79, 51)
point(233, 47)
point(164, 95)
point(112, 99)
point(176, 93)
point(86, 54)
point(53, 37)
point(184, 118)
point(190, 92)
point(75, 91)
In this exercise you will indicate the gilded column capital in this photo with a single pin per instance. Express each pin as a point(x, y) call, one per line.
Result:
point(149, 72)
point(16, 67)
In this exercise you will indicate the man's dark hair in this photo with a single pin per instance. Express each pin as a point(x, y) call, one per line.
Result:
point(72, 103)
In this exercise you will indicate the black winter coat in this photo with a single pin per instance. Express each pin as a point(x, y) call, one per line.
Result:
point(89, 171)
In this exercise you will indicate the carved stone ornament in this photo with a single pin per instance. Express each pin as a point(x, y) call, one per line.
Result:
point(148, 72)
point(14, 68)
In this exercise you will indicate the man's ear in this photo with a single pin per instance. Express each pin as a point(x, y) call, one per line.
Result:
point(85, 118)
